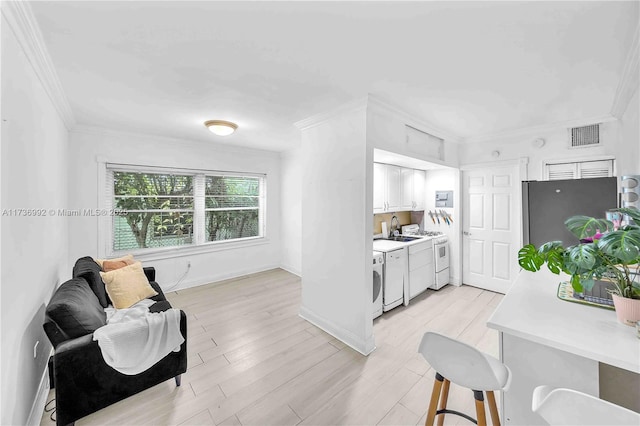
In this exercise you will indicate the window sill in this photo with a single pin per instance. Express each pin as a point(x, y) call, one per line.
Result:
point(173, 252)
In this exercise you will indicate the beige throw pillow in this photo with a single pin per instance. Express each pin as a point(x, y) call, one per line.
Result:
point(127, 286)
point(128, 259)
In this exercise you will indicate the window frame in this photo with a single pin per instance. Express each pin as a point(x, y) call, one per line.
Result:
point(106, 232)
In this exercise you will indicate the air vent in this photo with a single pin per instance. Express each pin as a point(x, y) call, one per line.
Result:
point(579, 170)
point(585, 136)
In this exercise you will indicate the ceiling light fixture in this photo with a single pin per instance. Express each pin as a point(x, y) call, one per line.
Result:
point(221, 127)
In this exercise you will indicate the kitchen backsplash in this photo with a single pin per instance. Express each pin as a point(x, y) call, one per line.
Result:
point(405, 218)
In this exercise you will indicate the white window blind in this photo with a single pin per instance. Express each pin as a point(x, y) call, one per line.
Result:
point(158, 208)
point(579, 170)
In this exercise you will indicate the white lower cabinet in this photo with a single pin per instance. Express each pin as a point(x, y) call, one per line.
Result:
point(421, 268)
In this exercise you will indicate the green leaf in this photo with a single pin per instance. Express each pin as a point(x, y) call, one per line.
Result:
point(550, 246)
point(575, 283)
point(529, 258)
point(587, 283)
point(586, 227)
point(555, 260)
point(623, 245)
point(584, 256)
point(631, 212)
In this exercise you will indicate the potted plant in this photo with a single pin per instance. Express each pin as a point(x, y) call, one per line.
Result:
point(603, 252)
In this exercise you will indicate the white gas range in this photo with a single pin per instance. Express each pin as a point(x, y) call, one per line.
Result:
point(440, 253)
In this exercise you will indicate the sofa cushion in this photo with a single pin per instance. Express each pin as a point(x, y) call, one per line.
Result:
point(119, 262)
point(112, 265)
point(75, 309)
point(88, 269)
point(127, 286)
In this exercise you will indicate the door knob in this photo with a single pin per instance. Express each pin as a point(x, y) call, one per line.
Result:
point(466, 233)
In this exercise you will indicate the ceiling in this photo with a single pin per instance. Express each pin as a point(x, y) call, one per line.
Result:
point(467, 68)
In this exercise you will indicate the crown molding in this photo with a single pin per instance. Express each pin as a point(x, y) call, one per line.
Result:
point(412, 120)
point(322, 117)
point(20, 18)
point(536, 131)
point(629, 81)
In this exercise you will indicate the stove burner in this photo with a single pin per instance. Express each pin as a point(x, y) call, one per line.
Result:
point(425, 233)
point(431, 233)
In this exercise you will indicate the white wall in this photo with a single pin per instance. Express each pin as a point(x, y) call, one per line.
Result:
point(556, 147)
point(291, 210)
point(386, 130)
point(34, 249)
point(89, 145)
point(628, 146)
point(336, 228)
point(446, 180)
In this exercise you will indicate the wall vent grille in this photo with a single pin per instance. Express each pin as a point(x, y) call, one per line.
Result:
point(585, 136)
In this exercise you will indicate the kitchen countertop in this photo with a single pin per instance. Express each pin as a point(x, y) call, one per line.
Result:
point(531, 310)
point(387, 246)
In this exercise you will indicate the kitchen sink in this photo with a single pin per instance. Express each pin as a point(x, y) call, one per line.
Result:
point(402, 239)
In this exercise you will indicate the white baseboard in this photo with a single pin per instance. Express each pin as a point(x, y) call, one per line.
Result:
point(220, 277)
point(40, 401)
point(292, 270)
point(345, 336)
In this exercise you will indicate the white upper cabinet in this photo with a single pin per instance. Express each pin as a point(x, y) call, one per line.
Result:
point(379, 188)
point(407, 200)
point(397, 189)
point(419, 179)
point(394, 188)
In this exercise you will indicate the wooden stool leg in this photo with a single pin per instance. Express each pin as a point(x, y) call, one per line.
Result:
point(433, 404)
point(443, 401)
point(491, 400)
point(482, 418)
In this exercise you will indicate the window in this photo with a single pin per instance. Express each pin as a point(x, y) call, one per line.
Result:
point(156, 210)
point(578, 170)
point(174, 208)
point(232, 207)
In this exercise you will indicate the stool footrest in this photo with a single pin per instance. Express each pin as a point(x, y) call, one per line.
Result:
point(457, 413)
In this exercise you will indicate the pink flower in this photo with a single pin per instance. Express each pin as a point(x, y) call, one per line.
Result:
point(597, 236)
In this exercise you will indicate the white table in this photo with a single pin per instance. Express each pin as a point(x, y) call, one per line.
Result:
point(548, 341)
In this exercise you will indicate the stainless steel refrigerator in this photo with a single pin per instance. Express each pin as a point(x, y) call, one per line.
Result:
point(547, 204)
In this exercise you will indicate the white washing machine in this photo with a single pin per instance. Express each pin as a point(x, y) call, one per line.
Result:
point(378, 261)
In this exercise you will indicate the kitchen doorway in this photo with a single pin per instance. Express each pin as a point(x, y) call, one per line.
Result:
point(491, 225)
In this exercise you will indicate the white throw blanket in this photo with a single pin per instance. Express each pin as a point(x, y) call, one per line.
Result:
point(134, 339)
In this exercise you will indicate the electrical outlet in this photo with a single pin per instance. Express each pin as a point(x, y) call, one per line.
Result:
point(35, 349)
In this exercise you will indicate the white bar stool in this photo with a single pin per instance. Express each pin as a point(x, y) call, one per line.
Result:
point(464, 365)
point(569, 407)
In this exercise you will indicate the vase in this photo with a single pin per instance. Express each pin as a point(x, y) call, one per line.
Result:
point(627, 310)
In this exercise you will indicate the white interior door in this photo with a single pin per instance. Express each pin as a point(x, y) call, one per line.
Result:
point(491, 227)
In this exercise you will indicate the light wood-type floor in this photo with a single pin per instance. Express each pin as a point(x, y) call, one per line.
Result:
point(254, 361)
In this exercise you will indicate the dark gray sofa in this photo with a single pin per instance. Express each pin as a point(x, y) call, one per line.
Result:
point(84, 383)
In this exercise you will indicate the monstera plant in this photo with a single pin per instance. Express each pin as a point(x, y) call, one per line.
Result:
point(603, 252)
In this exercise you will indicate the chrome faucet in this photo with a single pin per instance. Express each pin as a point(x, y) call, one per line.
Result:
point(394, 229)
